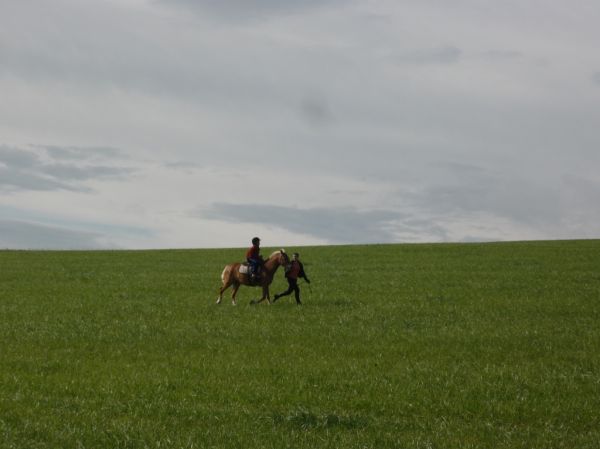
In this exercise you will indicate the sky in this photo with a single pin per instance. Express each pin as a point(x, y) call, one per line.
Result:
point(203, 123)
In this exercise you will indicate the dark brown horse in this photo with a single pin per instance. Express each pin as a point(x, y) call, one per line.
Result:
point(233, 276)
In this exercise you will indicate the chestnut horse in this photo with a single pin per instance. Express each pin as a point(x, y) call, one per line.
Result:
point(231, 276)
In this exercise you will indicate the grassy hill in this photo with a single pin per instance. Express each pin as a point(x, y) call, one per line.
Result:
point(397, 346)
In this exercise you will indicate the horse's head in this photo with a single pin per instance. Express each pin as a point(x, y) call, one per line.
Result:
point(280, 257)
point(283, 257)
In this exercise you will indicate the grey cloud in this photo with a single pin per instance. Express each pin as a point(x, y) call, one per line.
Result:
point(316, 111)
point(16, 234)
point(81, 153)
point(182, 166)
point(511, 198)
point(501, 55)
point(463, 189)
point(336, 225)
point(25, 169)
point(101, 230)
point(461, 186)
point(11, 179)
point(582, 192)
point(136, 62)
point(21, 171)
point(18, 158)
point(440, 55)
point(74, 173)
point(596, 78)
point(250, 9)
point(91, 57)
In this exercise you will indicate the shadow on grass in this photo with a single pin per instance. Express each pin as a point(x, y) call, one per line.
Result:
point(331, 302)
point(304, 419)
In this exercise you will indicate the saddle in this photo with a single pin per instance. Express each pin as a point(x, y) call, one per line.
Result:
point(246, 268)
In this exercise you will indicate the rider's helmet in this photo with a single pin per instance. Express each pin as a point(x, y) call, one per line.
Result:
point(255, 241)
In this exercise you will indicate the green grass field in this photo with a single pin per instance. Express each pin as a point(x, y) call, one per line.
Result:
point(397, 346)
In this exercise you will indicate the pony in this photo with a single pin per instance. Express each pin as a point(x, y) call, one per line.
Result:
point(232, 276)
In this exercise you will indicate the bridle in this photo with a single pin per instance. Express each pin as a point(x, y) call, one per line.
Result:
point(283, 258)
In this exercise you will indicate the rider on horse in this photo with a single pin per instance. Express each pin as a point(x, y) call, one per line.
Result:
point(254, 258)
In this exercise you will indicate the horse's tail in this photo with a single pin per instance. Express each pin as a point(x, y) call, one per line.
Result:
point(226, 270)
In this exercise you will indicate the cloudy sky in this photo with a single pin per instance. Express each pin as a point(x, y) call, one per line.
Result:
point(202, 123)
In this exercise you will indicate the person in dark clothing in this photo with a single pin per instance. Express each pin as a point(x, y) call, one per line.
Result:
point(293, 271)
point(254, 258)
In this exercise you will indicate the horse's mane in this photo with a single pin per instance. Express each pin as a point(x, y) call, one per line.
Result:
point(279, 251)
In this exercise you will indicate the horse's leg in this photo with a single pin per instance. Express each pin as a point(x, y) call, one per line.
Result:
point(236, 287)
point(264, 296)
point(226, 283)
point(221, 290)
